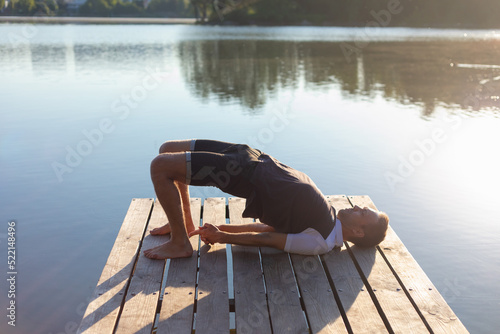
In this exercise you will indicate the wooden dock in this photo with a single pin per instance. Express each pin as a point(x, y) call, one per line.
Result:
point(262, 290)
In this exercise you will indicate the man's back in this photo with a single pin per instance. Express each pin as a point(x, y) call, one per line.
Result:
point(288, 199)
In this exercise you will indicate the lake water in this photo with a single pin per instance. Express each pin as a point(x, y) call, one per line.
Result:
point(408, 117)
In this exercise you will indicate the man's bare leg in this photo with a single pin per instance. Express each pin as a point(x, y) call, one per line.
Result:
point(166, 169)
point(186, 209)
point(171, 147)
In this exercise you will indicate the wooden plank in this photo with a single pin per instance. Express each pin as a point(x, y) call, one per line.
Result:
point(360, 311)
point(320, 306)
point(251, 311)
point(177, 307)
point(139, 311)
point(212, 314)
point(103, 310)
point(396, 307)
point(432, 306)
point(283, 298)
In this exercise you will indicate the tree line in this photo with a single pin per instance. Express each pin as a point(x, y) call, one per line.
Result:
point(417, 13)
point(101, 8)
point(412, 13)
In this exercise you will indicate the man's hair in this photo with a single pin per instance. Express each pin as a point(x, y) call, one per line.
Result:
point(374, 233)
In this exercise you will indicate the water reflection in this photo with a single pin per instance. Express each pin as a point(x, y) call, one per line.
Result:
point(60, 62)
point(248, 72)
point(410, 72)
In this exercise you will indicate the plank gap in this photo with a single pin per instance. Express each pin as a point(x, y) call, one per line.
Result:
point(370, 290)
point(265, 291)
point(407, 293)
point(301, 299)
point(336, 296)
point(160, 296)
point(136, 258)
point(231, 305)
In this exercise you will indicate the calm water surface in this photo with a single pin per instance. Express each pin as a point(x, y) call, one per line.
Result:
point(409, 117)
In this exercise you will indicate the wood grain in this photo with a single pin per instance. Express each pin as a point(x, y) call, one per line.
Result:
point(378, 290)
point(177, 307)
point(213, 302)
point(431, 305)
point(320, 306)
point(388, 293)
point(102, 312)
point(139, 311)
point(282, 293)
point(252, 315)
point(360, 311)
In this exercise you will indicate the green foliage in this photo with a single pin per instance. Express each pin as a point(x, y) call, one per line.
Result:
point(53, 6)
point(96, 8)
point(127, 9)
point(168, 8)
point(277, 11)
point(22, 7)
point(2, 4)
point(203, 9)
point(361, 13)
point(46, 7)
point(421, 13)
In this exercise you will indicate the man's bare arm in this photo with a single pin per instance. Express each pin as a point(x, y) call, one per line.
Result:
point(252, 227)
point(211, 234)
point(262, 239)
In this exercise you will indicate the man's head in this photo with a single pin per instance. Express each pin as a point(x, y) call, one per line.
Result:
point(364, 227)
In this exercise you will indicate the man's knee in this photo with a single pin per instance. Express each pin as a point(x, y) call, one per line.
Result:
point(168, 165)
point(157, 166)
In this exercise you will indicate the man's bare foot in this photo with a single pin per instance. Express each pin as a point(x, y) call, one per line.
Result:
point(170, 250)
point(165, 229)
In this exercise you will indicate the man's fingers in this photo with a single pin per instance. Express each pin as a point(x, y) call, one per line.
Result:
point(195, 232)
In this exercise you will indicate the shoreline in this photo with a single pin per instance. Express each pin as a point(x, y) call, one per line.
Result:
point(184, 21)
point(95, 20)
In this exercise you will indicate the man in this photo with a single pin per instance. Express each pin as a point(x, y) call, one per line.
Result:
point(294, 215)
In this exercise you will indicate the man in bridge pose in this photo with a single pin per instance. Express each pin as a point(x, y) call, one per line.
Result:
point(294, 215)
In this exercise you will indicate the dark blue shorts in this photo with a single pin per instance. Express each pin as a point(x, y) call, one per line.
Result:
point(226, 166)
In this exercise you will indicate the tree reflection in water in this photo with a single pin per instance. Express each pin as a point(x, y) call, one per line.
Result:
point(422, 73)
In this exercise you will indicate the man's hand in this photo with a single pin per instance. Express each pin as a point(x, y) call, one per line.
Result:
point(209, 234)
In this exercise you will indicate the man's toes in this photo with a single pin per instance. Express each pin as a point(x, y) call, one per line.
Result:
point(153, 256)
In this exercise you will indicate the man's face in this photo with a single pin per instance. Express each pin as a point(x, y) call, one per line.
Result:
point(357, 218)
